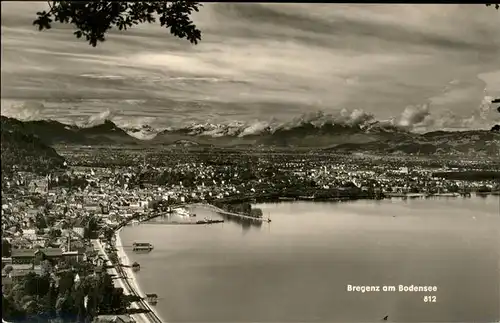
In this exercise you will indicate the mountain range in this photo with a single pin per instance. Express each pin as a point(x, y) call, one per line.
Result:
point(374, 137)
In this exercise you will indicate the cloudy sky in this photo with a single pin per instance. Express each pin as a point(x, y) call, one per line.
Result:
point(435, 64)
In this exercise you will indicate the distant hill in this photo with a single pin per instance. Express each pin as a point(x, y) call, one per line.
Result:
point(28, 153)
point(48, 131)
point(372, 137)
point(106, 133)
point(53, 132)
point(477, 143)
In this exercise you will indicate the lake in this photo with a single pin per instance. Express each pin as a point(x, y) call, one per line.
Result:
point(297, 268)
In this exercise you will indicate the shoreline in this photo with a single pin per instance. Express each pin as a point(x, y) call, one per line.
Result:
point(347, 198)
point(119, 282)
point(130, 275)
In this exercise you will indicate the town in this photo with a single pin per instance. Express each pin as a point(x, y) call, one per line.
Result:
point(59, 259)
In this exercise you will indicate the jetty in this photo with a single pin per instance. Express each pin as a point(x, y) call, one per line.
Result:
point(152, 299)
point(230, 214)
point(209, 221)
point(199, 222)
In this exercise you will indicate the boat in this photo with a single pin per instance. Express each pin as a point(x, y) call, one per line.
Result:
point(447, 194)
point(142, 246)
point(209, 221)
point(136, 266)
point(182, 211)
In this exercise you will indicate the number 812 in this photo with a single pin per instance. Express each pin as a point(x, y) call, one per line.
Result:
point(430, 299)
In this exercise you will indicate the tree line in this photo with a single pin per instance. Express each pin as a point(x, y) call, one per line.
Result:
point(62, 298)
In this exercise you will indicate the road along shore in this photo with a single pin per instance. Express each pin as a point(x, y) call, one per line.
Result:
point(126, 280)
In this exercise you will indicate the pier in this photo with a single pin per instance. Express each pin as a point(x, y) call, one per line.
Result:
point(148, 217)
point(152, 299)
point(229, 214)
point(199, 222)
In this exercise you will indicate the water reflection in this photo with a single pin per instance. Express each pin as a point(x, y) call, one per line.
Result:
point(246, 224)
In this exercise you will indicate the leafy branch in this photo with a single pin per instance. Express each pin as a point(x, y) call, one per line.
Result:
point(93, 19)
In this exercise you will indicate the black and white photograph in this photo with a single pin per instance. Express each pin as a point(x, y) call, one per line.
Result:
point(250, 162)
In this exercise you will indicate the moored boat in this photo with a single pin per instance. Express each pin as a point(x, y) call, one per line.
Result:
point(142, 246)
point(136, 266)
point(209, 221)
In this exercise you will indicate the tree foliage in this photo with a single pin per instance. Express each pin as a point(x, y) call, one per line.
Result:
point(40, 299)
point(40, 221)
point(93, 19)
point(6, 248)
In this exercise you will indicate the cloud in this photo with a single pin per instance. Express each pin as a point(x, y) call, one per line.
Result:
point(492, 82)
point(413, 115)
point(261, 61)
point(27, 111)
point(421, 118)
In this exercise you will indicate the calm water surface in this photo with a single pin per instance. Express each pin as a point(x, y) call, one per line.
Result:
point(297, 268)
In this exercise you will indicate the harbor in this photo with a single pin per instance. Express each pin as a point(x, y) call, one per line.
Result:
point(231, 214)
point(185, 217)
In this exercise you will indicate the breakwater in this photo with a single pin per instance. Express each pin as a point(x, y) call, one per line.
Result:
point(201, 222)
point(231, 214)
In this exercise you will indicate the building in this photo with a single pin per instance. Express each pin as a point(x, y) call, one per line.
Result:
point(80, 230)
point(32, 256)
point(73, 257)
point(6, 261)
point(22, 256)
point(30, 234)
point(39, 186)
